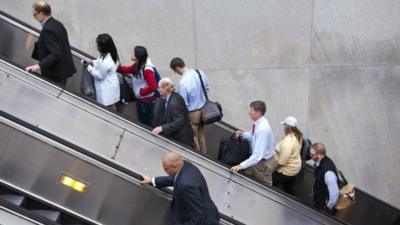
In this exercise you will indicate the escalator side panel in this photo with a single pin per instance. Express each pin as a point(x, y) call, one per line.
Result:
point(16, 44)
point(37, 107)
point(37, 166)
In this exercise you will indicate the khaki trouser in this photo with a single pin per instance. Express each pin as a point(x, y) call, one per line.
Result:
point(263, 170)
point(198, 131)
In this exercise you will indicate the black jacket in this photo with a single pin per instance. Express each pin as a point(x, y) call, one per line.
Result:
point(53, 52)
point(191, 203)
point(176, 123)
point(321, 193)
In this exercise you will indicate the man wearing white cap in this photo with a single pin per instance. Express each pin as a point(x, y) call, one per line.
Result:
point(261, 164)
point(287, 153)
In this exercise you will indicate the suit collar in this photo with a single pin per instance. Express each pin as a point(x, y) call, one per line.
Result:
point(44, 22)
point(179, 174)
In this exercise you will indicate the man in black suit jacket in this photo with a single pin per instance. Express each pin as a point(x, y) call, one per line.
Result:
point(191, 203)
point(52, 50)
point(176, 122)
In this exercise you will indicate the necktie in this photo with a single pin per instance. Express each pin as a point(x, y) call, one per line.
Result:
point(253, 128)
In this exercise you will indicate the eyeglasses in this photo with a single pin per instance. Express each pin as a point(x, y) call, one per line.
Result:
point(35, 14)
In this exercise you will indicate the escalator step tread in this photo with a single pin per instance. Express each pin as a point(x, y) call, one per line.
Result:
point(49, 214)
point(14, 199)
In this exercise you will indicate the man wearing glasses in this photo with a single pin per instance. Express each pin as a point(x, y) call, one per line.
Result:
point(326, 187)
point(52, 49)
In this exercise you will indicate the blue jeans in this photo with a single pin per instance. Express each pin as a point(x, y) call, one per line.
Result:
point(145, 112)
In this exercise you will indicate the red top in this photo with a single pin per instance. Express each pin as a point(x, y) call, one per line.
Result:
point(148, 76)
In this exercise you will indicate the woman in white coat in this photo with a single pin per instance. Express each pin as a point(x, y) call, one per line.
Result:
point(103, 69)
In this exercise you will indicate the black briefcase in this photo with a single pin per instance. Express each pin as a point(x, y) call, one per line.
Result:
point(233, 151)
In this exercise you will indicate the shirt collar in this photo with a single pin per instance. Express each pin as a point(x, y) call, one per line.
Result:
point(187, 73)
point(258, 121)
point(44, 22)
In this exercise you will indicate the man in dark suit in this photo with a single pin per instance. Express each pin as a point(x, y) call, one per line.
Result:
point(52, 50)
point(176, 123)
point(191, 203)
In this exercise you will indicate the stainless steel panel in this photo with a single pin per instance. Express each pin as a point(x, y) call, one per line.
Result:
point(16, 44)
point(12, 218)
point(5, 135)
point(109, 199)
point(56, 116)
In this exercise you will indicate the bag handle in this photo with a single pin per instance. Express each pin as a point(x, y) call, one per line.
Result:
point(202, 85)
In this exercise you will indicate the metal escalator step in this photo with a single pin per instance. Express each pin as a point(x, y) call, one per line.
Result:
point(14, 199)
point(49, 214)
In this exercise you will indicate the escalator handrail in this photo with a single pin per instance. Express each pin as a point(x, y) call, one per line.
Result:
point(94, 156)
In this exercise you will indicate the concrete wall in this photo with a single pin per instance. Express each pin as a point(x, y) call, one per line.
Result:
point(332, 64)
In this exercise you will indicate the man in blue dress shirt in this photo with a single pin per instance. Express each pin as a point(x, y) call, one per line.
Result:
point(191, 90)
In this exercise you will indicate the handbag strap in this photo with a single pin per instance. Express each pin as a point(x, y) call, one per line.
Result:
point(202, 85)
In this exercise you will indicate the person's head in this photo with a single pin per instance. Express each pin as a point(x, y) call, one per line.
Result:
point(290, 127)
point(166, 86)
point(105, 45)
point(257, 110)
point(178, 65)
point(139, 56)
point(41, 10)
point(172, 163)
point(317, 151)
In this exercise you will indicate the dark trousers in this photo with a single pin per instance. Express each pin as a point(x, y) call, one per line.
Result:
point(286, 182)
point(145, 112)
point(62, 83)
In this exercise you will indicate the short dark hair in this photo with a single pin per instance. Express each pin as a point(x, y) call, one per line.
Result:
point(259, 106)
point(42, 7)
point(319, 148)
point(177, 62)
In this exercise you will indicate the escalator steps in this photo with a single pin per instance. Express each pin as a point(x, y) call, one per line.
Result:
point(49, 214)
point(14, 199)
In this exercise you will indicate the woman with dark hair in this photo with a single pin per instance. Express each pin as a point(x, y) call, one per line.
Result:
point(143, 84)
point(103, 69)
point(287, 153)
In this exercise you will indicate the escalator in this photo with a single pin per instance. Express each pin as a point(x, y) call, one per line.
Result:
point(107, 194)
point(69, 115)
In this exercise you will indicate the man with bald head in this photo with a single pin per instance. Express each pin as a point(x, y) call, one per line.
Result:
point(191, 204)
point(52, 49)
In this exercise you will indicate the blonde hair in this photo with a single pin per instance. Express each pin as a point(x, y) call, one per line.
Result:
point(167, 83)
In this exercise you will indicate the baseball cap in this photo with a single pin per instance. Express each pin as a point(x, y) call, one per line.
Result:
point(290, 120)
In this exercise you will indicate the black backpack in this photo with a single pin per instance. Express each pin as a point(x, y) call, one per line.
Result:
point(305, 151)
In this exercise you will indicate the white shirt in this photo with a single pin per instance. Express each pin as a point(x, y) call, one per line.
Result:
point(105, 80)
point(191, 91)
point(262, 143)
